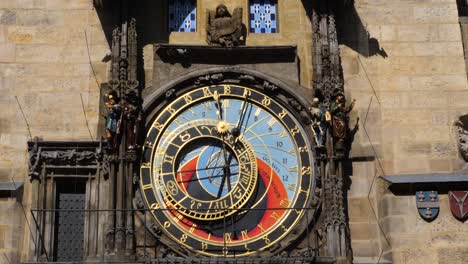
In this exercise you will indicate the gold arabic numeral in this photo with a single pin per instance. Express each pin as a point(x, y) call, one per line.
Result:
point(158, 126)
point(244, 235)
point(172, 188)
point(204, 246)
point(154, 207)
point(168, 159)
point(188, 99)
point(228, 237)
point(302, 149)
point(185, 136)
point(282, 114)
point(306, 171)
point(167, 224)
point(227, 89)
point(207, 91)
point(238, 193)
point(183, 239)
point(225, 250)
point(284, 228)
point(247, 92)
point(266, 101)
point(295, 131)
point(266, 239)
point(149, 144)
point(275, 216)
point(171, 110)
point(146, 165)
point(284, 203)
point(292, 187)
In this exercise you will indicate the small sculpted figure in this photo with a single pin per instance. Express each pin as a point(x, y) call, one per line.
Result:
point(319, 126)
point(132, 120)
point(339, 112)
point(113, 119)
point(224, 29)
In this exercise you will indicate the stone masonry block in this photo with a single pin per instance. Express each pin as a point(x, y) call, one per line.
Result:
point(7, 52)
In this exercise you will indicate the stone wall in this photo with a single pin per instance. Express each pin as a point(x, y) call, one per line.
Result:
point(404, 62)
point(46, 52)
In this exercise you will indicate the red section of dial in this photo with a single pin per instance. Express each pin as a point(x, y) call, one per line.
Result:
point(276, 197)
point(186, 173)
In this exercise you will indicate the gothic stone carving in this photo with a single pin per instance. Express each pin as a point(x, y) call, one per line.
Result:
point(224, 29)
point(78, 157)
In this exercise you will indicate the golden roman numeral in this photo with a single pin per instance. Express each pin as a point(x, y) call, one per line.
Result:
point(284, 203)
point(271, 122)
point(244, 235)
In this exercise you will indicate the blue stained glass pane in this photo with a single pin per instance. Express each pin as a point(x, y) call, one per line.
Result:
point(182, 15)
point(263, 16)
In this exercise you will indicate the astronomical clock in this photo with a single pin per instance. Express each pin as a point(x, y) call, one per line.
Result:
point(228, 169)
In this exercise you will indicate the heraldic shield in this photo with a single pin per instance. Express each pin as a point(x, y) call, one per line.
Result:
point(428, 204)
point(459, 204)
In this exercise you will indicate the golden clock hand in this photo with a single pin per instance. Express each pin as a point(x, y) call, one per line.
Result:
point(236, 132)
point(205, 178)
point(204, 169)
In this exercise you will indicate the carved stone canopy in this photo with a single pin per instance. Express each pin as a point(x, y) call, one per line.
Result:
point(84, 155)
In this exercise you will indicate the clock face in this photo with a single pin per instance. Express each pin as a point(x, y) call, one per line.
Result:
point(227, 170)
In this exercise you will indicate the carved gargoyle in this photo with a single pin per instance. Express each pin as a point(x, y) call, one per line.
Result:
point(224, 29)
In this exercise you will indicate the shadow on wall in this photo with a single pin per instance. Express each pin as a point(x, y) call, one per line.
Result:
point(151, 21)
point(353, 33)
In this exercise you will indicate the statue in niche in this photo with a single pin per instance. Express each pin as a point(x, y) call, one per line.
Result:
point(113, 119)
point(319, 125)
point(462, 136)
point(224, 29)
point(132, 120)
point(339, 119)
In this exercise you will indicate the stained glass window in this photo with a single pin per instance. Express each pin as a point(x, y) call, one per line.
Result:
point(182, 15)
point(263, 16)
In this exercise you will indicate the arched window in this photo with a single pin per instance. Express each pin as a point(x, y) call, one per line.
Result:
point(182, 15)
point(263, 16)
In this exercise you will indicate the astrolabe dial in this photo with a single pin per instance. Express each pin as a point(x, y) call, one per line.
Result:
point(227, 170)
point(202, 173)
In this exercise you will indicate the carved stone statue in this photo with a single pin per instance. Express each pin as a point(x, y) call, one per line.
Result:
point(339, 112)
point(462, 139)
point(113, 119)
point(319, 126)
point(224, 29)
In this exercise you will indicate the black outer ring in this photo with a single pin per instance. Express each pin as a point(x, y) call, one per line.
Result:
point(288, 97)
